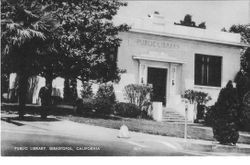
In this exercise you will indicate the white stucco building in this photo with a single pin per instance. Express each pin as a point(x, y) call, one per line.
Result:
point(175, 58)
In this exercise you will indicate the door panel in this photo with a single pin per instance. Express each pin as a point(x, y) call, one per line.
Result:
point(157, 77)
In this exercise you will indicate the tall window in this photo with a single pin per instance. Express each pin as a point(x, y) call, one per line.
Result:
point(208, 70)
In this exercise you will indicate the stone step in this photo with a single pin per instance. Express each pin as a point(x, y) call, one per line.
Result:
point(169, 115)
point(175, 121)
point(175, 115)
point(178, 118)
point(172, 115)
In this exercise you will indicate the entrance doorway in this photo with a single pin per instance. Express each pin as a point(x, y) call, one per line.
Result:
point(157, 77)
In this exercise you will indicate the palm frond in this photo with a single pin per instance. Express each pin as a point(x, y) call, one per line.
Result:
point(36, 34)
point(30, 14)
point(23, 34)
point(12, 26)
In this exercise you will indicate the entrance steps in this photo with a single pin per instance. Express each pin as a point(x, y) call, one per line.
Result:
point(170, 115)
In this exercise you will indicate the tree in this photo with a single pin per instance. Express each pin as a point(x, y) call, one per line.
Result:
point(25, 26)
point(244, 31)
point(89, 40)
point(243, 76)
point(71, 39)
point(187, 21)
point(225, 112)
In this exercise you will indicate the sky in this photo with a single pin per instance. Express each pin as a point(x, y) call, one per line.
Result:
point(216, 14)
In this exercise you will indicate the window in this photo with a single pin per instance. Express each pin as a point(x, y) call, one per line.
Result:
point(208, 70)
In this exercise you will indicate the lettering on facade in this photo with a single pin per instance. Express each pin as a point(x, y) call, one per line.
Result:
point(156, 44)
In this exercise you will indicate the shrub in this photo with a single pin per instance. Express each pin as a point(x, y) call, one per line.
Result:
point(242, 80)
point(106, 92)
point(87, 91)
point(243, 87)
point(225, 124)
point(105, 99)
point(84, 106)
point(103, 106)
point(56, 100)
point(209, 115)
point(139, 94)
point(245, 112)
point(126, 110)
point(201, 98)
point(196, 96)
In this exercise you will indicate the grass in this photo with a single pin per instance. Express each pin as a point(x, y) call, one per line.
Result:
point(146, 126)
point(138, 125)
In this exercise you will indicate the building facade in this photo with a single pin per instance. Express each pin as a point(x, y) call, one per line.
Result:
point(175, 58)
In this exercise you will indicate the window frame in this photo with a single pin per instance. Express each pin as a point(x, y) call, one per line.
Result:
point(209, 84)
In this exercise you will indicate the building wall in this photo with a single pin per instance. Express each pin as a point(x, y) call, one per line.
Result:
point(137, 44)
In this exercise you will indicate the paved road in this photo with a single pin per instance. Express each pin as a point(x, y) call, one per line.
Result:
point(66, 138)
point(30, 140)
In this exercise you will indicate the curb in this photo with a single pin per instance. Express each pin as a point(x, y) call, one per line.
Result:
point(215, 148)
point(8, 120)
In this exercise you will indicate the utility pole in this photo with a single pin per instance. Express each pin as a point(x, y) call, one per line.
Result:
point(185, 130)
point(186, 116)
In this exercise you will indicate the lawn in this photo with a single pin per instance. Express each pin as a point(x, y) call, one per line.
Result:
point(145, 126)
point(195, 131)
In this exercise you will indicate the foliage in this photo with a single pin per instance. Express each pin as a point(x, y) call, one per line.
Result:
point(196, 96)
point(139, 94)
point(87, 91)
point(105, 99)
point(84, 106)
point(4, 83)
point(242, 80)
point(106, 92)
point(245, 112)
point(25, 28)
point(127, 110)
point(89, 39)
point(70, 91)
point(70, 39)
point(103, 106)
point(209, 115)
point(244, 31)
point(225, 112)
point(187, 21)
point(201, 98)
point(56, 100)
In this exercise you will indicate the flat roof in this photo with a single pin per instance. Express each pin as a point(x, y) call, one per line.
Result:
point(158, 26)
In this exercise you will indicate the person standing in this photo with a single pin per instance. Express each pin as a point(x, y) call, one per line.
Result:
point(45, 96)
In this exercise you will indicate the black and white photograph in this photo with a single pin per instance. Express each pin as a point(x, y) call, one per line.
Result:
point(125, 78)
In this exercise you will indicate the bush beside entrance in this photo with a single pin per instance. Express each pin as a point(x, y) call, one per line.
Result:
point(225, 114)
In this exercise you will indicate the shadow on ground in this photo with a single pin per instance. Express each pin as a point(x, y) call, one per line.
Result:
point(59, 110)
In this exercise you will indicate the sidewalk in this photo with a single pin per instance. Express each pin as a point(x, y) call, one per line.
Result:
point(69, 128)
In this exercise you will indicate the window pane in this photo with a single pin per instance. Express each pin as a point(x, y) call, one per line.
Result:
point(198, 72)
point(207, 70)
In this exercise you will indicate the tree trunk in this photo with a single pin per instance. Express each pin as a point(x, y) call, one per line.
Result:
point(49, 80)
point(22, 93)
point(73, 83)
point(70, 90)
point(66, 90)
